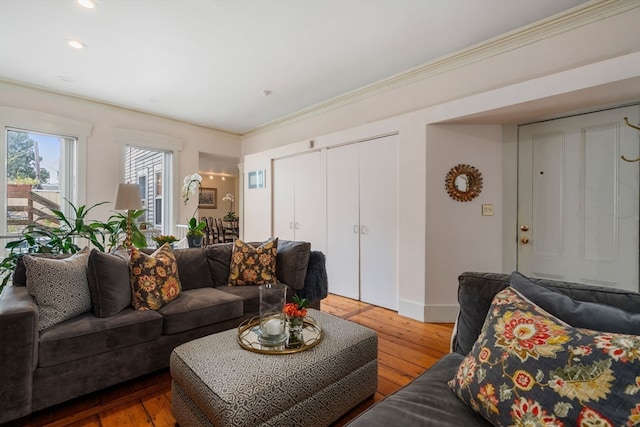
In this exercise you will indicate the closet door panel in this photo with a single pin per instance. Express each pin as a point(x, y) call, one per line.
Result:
point(343, 226)
point(283, 198)
point(378, 222)
point(309, 204)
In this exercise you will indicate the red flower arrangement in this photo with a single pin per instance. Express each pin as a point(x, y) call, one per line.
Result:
point(297, 308)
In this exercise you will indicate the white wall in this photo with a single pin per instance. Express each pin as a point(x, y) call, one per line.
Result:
point(458, 237)
point(103, 151)
point(464, 112)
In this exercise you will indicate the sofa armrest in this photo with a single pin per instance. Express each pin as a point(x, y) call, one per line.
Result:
point(315, 283)
point(18, 351)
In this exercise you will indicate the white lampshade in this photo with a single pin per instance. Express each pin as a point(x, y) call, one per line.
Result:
point(128, 197)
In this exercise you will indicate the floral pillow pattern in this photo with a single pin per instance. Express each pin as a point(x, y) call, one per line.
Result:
point(154, 278)
point(529, 368)
point(253, 266)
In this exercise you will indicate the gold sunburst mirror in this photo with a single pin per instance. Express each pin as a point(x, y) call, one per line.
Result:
point(463, 183)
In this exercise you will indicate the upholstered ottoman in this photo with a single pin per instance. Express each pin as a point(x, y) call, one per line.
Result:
point(216, 382)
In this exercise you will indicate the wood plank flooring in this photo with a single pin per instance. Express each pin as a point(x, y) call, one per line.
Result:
point(406, 348)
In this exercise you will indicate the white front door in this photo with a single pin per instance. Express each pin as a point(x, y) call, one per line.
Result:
point(578, 201)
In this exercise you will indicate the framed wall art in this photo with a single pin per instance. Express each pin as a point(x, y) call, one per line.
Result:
point(208, 198)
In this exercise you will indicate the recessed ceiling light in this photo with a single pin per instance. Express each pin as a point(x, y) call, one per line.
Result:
point(76, 44)
point(89, 4)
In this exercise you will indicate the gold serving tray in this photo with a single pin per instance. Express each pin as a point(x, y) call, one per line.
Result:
point(248, 338)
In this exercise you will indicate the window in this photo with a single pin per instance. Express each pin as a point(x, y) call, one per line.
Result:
point(65, 171)
point(156, 156)
point(38, 178)
point(147, 167)
point(157, 212)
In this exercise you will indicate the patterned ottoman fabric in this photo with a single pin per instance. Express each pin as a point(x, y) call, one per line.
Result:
point(217, 381)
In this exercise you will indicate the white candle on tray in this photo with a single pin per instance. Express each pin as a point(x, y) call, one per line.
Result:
point(273, 327)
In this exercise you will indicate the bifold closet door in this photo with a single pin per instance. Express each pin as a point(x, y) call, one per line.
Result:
point(379, 222)
point(309, 207)
point(283, 198)
point(343, 223)
point(362, 230)
point(298, 199)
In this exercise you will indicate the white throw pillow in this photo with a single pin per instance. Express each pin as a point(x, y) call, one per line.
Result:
point(59, 286)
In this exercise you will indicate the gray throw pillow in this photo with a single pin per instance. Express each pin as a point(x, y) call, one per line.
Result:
point(292, 261)
point(193, 267)
point(579, 314)
point(108, 277)
point(59, 287)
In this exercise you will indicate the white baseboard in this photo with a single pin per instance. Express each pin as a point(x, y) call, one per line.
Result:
point(432, 313)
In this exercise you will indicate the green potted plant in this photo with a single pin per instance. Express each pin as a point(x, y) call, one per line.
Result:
point(194, 231)
point(41, 237)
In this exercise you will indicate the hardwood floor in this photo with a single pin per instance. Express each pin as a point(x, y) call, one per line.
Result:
point(406, 348)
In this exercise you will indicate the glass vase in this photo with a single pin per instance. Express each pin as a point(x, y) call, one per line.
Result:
point(272, 319)
point(295, 326)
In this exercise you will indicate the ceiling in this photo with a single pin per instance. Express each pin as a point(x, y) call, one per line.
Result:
point(213, 62)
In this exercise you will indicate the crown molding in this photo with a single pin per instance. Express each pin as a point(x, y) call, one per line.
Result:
point(579, 16)
point(115, 107)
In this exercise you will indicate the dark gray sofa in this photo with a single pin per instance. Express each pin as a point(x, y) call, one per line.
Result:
point(87, 353)
point(428, 400)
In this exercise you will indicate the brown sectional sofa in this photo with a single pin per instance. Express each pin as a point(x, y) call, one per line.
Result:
point(105, 346)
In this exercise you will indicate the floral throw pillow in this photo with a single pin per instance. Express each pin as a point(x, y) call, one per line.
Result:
point(529, 368)
point(154, 278)
point(253, 266)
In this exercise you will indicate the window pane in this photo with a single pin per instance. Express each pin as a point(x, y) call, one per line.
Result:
point(146, 167)
point(33, 178)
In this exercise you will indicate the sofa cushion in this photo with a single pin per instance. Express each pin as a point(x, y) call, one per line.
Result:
point(529, 367)
point(154, 278)
point(426, 401)
point(292, 260)
point(108, 277)
point(252, 265)
point(193, 267)
point(476, 291)
point(59, 287)
point(199, 307)
point(250, 296)
point(580, 314)
point(19, 276)
point(87, 335)
point(219, 256)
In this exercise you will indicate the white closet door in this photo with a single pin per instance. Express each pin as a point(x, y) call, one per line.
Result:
point(309, 200)
point(343, 225)
point(283, 198)
point(378, 222)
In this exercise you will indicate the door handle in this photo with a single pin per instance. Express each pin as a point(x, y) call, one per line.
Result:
point(364, 229)
point(291, 225)
point(297, 225)
point(355, 228)
point(524, 240)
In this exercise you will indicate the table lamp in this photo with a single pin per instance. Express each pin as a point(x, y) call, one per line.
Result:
point(128, 198)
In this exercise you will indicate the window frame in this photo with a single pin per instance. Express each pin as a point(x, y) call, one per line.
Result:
point(75, 178)
point(153, 141)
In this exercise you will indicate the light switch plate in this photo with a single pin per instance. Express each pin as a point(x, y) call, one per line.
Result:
point(487, 210)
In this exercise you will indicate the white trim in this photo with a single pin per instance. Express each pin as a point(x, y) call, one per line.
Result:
point(428, 313)
point(37, 121)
